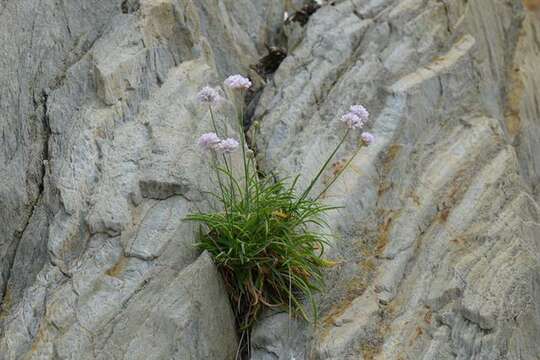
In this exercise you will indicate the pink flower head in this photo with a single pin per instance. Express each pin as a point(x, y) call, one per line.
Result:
point(361, 112)
point(209, 96)
point(367, 138)
point(227, 146)
point(352, 120)
point(237, 82)
point(209, 141)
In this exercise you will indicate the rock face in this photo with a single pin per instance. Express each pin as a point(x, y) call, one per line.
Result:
point(438, 238)
point(99, 167)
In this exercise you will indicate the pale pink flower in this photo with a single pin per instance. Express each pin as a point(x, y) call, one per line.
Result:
point(352, 120)
point(227, 146)
point(237, 82)
point(209, 141)
point(367, 137)
point(209, 96)
point(361, 112)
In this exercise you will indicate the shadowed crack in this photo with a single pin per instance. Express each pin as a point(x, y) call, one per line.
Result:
point(40, 107)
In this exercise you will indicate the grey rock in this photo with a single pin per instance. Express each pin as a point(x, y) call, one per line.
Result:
point(99, 127)
point(37, 43)
point(278, 336)
point(436, 239)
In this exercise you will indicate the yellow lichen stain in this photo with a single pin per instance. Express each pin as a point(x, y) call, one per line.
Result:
point(384, 234)
point(390, 155)
point(459, 241)
point(443, 214)
point(372, 350)
point(6, 304)
point(452, 196)
point(428, 316)
point(513, 103)
point(415, 198)
point(334, 313)
point(355, 289)
point(532, 5)
point(419, 332)
point(100, 133)
point(118, 268)
point(384, 187)
point(369, 351)
point(338, 167)
point(40, 338)
point(368, 265)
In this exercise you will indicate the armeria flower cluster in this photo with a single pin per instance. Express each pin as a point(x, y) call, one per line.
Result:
point(211, 97)
point(357, 118)
point(211, 142)
point(237, 82)
point(261, 232)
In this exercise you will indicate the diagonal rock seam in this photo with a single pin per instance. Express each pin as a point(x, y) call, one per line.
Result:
point(119, 275)
point(48, 316)
point(41, 185)
point(282, 155)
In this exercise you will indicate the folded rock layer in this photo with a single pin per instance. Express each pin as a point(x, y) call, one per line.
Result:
point(99, 125)
point(437, 238)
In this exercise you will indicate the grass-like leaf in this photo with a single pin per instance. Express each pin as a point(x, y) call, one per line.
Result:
point(267, 241)
point(264, 247)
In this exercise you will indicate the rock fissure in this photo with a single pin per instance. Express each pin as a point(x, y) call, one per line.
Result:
point(40, 106)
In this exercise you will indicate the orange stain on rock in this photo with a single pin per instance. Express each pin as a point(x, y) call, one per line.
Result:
point(532, 5)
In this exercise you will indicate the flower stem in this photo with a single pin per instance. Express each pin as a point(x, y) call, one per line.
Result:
point(338, 174)
point(216, 131)
point(243, 144)
point(213, 120)
point(214, 159)
point(307, 191)
point(224, 158)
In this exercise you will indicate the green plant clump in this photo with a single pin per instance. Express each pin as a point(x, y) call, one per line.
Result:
point(267, 238)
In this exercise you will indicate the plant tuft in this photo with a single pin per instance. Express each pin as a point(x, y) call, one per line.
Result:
point(266, 239)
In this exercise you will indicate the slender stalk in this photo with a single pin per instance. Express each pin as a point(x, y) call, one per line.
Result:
point(306, 192)
point(213, 120)
point(338, 174)
point(243, 144)
point(237, 357)
point(229, 169)
point(254, 165)
point(217, 132)
point(214, 159)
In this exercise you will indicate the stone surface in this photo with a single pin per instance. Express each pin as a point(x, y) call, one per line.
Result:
point(100, 166)
point(437, 241)
point(438, 236)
